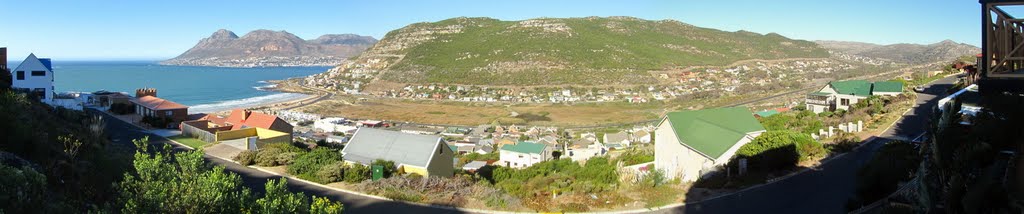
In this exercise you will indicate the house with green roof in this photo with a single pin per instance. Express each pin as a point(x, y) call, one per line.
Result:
point(691, 144)
point(523, 154)
point(843, 94)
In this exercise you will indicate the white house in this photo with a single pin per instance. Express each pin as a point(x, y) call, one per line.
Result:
point(691, 144)
point(334, 124)
point(843, 94)
point(35, 76)
point(642, 136)
point(523, 154)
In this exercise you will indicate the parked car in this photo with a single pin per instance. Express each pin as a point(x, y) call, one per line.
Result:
point(919, 89)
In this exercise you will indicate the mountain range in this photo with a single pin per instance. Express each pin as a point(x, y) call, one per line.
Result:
point(553, 51)
point(272, 48)
point(904, 53)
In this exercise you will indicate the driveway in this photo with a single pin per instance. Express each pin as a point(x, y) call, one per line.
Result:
point(826, 188)
point(122, 133)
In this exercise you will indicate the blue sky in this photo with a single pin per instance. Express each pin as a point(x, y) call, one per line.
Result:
point(110, 30)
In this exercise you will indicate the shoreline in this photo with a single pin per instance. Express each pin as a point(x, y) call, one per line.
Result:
point(280, 99)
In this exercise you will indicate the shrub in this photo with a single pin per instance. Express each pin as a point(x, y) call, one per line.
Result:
point(306, 165)
point(268, 157)
point(246, 158)
point(286, 158)
point(357, 173)
point(121, 108)
point(331, 173)
point(775, 150)
point(844, 142)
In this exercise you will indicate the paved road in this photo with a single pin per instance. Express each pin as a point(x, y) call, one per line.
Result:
point(122, 133)
point(826, 188)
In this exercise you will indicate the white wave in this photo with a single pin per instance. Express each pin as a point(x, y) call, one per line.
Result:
point(265, 87)
point(245, 103)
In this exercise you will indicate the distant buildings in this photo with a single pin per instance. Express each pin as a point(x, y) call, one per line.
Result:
point(426, 155)
point(843, 94)
point(35, 77)
point(691, 144)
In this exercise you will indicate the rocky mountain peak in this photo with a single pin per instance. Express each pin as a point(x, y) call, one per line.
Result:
point(223, 34)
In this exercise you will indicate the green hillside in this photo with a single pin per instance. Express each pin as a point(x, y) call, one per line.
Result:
point(616, 50)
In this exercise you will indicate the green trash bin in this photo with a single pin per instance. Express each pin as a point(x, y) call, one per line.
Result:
point(378, 172)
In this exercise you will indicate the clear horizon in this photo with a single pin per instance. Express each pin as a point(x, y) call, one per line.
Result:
point(150, 31)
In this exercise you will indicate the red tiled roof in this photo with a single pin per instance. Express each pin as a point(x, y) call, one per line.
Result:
point(156, 103)
point(239, 118)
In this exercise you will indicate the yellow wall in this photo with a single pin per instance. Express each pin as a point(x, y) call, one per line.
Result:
point(267, 133)
point(235, 134)
point(415, 170)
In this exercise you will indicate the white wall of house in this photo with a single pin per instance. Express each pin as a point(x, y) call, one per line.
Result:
point(817, 108)
point(521, 160)
point(42, 80)
point(442, 163)
point(724, 159)
point(675, 159)
point(852, 99)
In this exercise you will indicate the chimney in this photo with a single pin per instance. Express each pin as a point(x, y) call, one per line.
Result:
point(142, 92)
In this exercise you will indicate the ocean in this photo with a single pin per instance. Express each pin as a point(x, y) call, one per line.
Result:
point(204, 89)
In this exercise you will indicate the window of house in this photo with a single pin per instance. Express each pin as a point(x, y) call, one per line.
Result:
point(844, 102)
point(38, 73)
point(21, 75)
point(168, 113)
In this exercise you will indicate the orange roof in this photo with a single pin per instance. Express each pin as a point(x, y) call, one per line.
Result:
point(239, 118)
point(156, 103)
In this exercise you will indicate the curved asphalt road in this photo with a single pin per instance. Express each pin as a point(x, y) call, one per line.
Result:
point(824, 189)
point(122, 133)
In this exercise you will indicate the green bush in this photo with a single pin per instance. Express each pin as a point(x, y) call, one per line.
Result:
point(286, 158)
point(774, 150)
point(121, 108)
point(246, 158)
point(844, 142)
point(306, 165)
point(331, 173)
point(268, 157)
point(357, 173)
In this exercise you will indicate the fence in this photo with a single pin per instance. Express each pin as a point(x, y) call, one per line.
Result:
point(195, 132)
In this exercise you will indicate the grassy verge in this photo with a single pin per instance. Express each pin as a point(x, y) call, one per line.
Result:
point(192, 142)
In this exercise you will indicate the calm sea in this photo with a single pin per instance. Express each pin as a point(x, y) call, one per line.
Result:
point(203, 88)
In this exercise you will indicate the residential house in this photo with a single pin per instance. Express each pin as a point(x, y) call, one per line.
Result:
point(642, 136)
point(148, 105)
point(583, 149)
point(618, 140)
point(34, 76)
point(426, 155)
point(244, 129)
point(523, 154)
point(691, 144)
point(843, 94)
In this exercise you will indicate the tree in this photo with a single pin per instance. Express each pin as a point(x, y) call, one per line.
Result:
point(279, 200)
point(308, 164)
point(22, 190)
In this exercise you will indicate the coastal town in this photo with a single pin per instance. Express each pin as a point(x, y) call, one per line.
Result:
point(682, 146)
